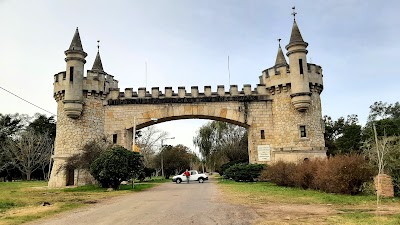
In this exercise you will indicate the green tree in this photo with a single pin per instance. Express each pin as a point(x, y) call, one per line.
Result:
point(175, 159)
point(10, 126)
point(116, 165)
point(383, 149)
point(386, 118)
point(44, 125)
point(343, 135)
point(220, 142)
point(84, 159)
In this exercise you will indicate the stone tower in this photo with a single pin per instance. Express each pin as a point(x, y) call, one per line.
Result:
point(80, 109)
point(296, 89)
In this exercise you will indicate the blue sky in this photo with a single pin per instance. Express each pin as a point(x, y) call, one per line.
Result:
point(187, 42)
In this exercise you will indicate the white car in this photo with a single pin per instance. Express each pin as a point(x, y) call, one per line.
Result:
point(194, 176)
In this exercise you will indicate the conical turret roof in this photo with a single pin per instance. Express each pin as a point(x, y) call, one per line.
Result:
point(98, 65)
point(295, 37)
point(280, 58)
point(76, 43)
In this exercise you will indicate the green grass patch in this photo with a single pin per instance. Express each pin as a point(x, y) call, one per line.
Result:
point(22, 201)
point(6, 204)
point(154, 180)
point(137, 187)
point(364, 218)
point(85, 188)
point(347, 209)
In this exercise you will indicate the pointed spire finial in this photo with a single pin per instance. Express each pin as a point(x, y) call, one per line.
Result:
point(76, 43)
point(280, 58)
point(98, 65)
point(294, 12)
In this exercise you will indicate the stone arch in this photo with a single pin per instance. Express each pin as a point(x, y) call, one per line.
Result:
point(120, 119)
point(171, 113)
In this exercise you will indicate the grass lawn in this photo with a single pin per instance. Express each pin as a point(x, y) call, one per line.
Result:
point(282, 205)
point(23, 201)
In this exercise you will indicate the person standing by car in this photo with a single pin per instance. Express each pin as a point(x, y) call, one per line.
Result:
point(187, 174)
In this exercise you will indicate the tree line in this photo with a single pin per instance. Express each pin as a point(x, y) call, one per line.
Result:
point(26, 146)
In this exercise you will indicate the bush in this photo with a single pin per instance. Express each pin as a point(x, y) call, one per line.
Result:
point(146, 172)
point(343, 174)
point(339, 174)
point(280, 173)
point(244, 172)
point(305, 173)
point(116, 165)
point(225, 166)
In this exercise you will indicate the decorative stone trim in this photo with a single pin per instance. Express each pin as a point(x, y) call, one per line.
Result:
point(247, 98)
point(300, 94)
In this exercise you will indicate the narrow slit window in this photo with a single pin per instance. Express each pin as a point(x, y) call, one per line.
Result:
point(303, 131)
point(115, 136)
point(64, 76)
point(301, 66)
point(71, 74)
point(262, 134)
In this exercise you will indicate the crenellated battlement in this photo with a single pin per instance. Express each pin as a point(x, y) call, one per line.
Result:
point(281, 77)
point(169, 95)
point(94, 84)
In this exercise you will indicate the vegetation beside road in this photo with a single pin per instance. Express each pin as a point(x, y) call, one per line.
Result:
point(23, 201)
point(343, 209)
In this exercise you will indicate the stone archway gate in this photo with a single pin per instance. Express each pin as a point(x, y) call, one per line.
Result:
point(282, 114)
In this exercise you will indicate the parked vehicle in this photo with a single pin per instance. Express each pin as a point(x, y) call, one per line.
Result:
point(194, 176)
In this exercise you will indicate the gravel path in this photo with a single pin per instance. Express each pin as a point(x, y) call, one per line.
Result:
point(168, 203)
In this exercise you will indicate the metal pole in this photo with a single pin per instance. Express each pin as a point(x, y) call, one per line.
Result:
point(134, 134)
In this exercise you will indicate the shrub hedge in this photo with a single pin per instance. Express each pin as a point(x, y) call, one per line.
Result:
point(225, 166)
point(244, 172)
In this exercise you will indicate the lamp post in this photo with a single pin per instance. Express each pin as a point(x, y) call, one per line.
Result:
point(162, 157)
point(134, 134)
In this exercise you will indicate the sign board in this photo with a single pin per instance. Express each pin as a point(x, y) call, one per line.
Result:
point(264, 153)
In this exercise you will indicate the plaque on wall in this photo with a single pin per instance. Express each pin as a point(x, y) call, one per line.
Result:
point(264, 153)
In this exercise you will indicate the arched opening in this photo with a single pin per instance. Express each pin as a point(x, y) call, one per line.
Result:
point(181, 132)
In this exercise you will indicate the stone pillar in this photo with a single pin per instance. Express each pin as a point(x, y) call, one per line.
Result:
point(385, 188)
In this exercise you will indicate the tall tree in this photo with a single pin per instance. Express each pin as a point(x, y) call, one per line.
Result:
point(220, 142)
point(386, 118)
point(343, 135)
point(28, 151)
point(148, 143)
point(175, 159)
point(44, 125)
point(10, 125)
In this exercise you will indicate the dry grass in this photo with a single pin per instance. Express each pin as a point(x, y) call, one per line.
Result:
point(23, 201)
point(281, 205)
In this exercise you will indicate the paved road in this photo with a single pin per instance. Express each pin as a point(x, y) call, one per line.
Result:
point(166, 204)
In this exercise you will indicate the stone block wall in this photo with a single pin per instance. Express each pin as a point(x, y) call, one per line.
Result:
point(73, 134)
